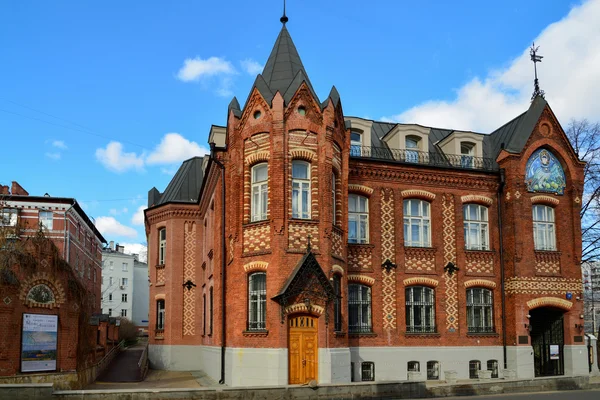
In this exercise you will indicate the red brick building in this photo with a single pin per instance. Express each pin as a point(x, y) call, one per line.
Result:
point(315, 245)
point(55, 278)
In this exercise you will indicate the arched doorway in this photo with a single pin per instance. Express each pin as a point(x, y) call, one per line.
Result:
point(303, 349)
point(547, 340)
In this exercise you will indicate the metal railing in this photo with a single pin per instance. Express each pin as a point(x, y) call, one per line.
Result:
point(424, 158)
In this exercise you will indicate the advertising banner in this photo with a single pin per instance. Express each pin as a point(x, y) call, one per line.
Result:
point(39, 342)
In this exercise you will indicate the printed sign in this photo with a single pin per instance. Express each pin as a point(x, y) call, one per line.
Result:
point(554, 352)
point(39, 342)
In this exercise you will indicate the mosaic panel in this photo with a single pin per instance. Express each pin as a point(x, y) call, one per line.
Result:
point(419, 260)
point(298, 236)
point(547, 263)
point(479, 263)
point(359, 257)
point(388, 253)
point(189, 261)
point(257, 238)
point(542, 285)
point(336, 242)
point(543, 173)
point(450, 257)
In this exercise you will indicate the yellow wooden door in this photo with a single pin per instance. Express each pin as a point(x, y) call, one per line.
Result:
point(303, 349)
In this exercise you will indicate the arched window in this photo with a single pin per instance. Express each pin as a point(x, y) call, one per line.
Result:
point(420, 309)
point(480, 305)
point(355, 144)
point(300, 189)
point(337, 303)
point(412, 149)
point(160, 315)
point(358, 219)
point(257, 301)
point(162, 246)
point(476, 227)
point(544, 237)
point(417, 231)
point(359, 308)
point(259, 192)
point(474, 367)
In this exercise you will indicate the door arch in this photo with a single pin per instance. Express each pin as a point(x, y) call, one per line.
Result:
point(303, 352)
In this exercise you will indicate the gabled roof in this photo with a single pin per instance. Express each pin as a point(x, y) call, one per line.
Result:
point(184, 186)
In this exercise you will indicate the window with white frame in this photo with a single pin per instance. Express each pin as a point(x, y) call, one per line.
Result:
point(46, 219)
point(333, 197)
point(110, 263)
point(123, 313)
point(259, 192)
point(300, 189)
point(480, 305)
point(412, 149)
point(467, 151)
point(359, 308)
point(358, 219)
point(160, 314)
point(355, 144)
point(420, 309)
point(475, 221)
point(162, 245)
point(257, 301)
point(110, 312)
point(124, 281)
point(544, 236)
point(8, 217)
point(124, 298)
point(417, 232)
point(124, 267)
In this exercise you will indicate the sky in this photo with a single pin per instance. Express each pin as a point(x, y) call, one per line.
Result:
point(101, 101)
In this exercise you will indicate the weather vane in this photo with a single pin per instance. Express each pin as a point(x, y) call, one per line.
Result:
point(284, 18)
point(536, 59)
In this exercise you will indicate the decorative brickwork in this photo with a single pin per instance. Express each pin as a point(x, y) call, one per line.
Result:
point(388, 252)
point(360, 189)
point(160, 274)
point(336, 242)
point(302, 308)
point(480, 283)
point(257, 238)
point(336, 269)
point(419, 260)
point(474, 198)
point(189, 268)
point(545, 285)
point(303, 154)
point(543, 199)
point(42, 278)
point(255, 266)
point(418, 193)
point(450, 257)
point(298, 235)
point(257, 157)
point(367, 280)
point(547, 263)
point(420, 280)
point(359, 257)
point(549, 302)
point(479, 262)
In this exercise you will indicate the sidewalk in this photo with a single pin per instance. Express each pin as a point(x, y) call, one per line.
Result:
point(158, 379)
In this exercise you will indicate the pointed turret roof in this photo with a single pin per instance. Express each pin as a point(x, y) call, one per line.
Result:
point(284, 71)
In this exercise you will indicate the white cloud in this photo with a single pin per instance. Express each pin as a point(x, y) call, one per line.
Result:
point(252, 67)
point(53, 156)
point(138, 216)
point(109, 226)
point(569, 74)
point(116, 160)
point(59, 144)
point(136, 248)
point(114, 211)
point(175, 148)
point(195, 69)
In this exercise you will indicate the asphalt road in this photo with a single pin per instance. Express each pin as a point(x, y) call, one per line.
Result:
point(563, 395)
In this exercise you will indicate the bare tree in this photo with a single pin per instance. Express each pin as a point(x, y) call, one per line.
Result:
point(585, 138)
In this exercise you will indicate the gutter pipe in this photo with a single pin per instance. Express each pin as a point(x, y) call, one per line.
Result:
point(499, 196)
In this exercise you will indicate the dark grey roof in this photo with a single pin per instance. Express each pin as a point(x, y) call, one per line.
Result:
point(235, 106)
point(185, 185)
point(283, 72)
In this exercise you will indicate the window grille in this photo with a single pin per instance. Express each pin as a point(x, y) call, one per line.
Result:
point(414, 366)
point(359, 308)
point(259, 192)
point(420, 309)
point(257, 301)
point(417, 232)
point(358, 219)
point(480, 310)
point(337, 303)
point(544, 237)
point(492, 365)
point(476, 227)
point(300, 189)
point(474, 367)
point(368, 371)
point(160, 314)
point(433, 370)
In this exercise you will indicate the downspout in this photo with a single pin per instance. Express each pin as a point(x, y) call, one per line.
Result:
point(499, 195)
point(223, 261)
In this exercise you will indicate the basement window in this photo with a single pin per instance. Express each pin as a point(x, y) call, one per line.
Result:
point(368, 371)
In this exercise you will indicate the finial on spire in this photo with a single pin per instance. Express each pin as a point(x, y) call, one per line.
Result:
point(536, 59)
point(284, 18)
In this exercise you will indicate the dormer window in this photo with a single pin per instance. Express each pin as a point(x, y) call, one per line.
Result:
point(411, 144)
point(355, 144)
point(467, 152)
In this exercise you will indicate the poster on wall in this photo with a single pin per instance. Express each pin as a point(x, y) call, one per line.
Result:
point(554, 352)
point(39, 342)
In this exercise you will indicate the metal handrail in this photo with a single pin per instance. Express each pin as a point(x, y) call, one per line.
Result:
point(424, 158)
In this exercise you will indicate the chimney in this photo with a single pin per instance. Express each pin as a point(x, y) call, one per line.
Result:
point(4, 189)
point(111, 244)
point(120, 249)
point(18, 189)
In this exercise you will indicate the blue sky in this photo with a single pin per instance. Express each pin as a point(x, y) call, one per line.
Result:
point(102, 100)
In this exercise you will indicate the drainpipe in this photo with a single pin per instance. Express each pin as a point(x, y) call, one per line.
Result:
point(223, 261)
point(499, 196)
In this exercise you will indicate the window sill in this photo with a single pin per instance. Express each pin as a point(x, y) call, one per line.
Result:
point(259, 222)
point(159, 266)
point(159, 284)
point(423, 334)
point(256, 333)
point(362, 334)
point(339, 334)
point(417, 248)
point(483, 334)
point(546, 251)
point(472, 251)
point(304, 220)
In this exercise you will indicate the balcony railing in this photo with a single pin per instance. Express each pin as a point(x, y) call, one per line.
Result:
point(424, 158)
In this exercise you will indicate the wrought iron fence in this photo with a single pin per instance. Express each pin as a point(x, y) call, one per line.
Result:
point(424, 158)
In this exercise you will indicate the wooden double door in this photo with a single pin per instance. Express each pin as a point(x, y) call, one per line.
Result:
point(303, 349)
